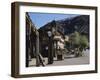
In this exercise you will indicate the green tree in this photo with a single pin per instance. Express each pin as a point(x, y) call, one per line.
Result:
point(75, 39)
point(78, 43)
point(75, 42)
point(83, 42)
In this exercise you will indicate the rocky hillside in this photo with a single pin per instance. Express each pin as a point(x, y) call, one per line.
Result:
point(79, 23)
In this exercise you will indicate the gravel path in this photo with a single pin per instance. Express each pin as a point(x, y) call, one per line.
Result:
point(73, 61)
point(67, 61)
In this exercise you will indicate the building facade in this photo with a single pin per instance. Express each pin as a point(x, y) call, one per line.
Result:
point(53, 44)
point(33, 54)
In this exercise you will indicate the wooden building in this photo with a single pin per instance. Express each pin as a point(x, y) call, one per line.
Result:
point(30, 40)
point(33, 54)
point(52, 45)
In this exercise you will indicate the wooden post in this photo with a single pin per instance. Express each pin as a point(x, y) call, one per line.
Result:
point(37, 49)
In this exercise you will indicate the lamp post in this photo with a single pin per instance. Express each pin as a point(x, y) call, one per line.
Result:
point(50, 53)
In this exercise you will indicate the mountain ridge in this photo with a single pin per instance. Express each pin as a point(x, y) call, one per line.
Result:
point(79, 23)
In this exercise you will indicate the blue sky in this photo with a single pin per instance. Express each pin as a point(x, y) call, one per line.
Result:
point(40, 19)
